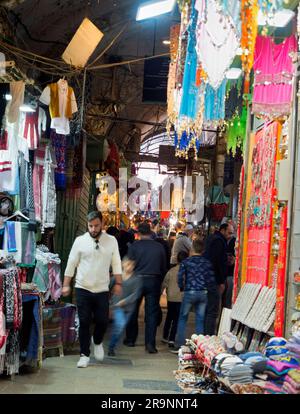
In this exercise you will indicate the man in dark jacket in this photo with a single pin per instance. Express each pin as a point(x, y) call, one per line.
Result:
point(150, 265)
point(216, 252)
point(160, 239)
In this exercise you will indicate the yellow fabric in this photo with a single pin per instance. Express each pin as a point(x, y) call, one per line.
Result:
point(54, 102)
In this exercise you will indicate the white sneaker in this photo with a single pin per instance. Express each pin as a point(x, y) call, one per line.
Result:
point(83, 361)
point(98, 352)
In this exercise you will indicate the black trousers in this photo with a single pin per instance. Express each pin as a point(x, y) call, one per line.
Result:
point(171, 322)
point(212, 312)
point(92, 307)
point(151, 286)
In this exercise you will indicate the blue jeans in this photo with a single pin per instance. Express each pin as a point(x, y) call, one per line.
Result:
point(195, 298)
point(120, 320)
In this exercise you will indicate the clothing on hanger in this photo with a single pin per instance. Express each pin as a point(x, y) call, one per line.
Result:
point(62, 104)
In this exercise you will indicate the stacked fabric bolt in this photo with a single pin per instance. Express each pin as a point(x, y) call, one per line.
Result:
point(240, 374)
point(291, 383)
point(275, 370)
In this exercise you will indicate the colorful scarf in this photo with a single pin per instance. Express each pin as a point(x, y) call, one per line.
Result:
point(11, 237)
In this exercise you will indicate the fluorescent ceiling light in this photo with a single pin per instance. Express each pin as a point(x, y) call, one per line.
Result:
point(233, 73)
point(154, 8)
point(8, 97)
point(26, 108)
point(280, 19)
point(166, 42)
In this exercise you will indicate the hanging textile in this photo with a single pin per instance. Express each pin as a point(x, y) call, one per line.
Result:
point(268, 9)
point(174, 39)
point(259, 212)
point(48, 192)
point(62, 105)
point(217, 42)
point(189, 101)
point(274, 69)
point(281, 276)
point(59, 143)
point(9, 171)
point(32, 125)
point(26, 190)
point(236, 132)
point(234, 98)
point(188, 123)
point(19, 242)
point(10, 320)
point(249, 16)
point(214, 103)
point(47, 275)
point(238, 247)
point(38, 174)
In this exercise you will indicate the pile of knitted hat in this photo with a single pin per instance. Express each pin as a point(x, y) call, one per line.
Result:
point(291, 383)
point(232, 367)
point(280, 361)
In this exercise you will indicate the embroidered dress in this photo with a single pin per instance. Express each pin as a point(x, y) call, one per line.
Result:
point(217, 42)
point(272, 95)
point(59, 143)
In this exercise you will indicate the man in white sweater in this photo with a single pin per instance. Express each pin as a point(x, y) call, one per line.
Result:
point(92, 255)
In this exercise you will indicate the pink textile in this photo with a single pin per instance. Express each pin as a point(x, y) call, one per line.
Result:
point(274, 70)
point(31, 129)
point(55, 285)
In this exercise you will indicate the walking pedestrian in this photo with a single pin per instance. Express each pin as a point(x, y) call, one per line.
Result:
point(92, 255)
point(123, 306)
point(174, 298)
point(150, 266)
point(216, 253)
point(196, 279)
point(183, 242)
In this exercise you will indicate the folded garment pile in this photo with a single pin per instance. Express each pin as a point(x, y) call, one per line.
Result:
point(275, 370)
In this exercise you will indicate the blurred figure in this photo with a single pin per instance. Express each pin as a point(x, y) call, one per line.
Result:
point(123, 305)
point(174, 298)
point(171, 239)
point(216, 253)
point(150, 266)
point(160, 239)
point(183, 243)
point(113, 231)
point(227, 296)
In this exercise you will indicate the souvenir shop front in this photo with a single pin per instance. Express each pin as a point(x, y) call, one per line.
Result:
point(41, 174)
point(257, 348)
